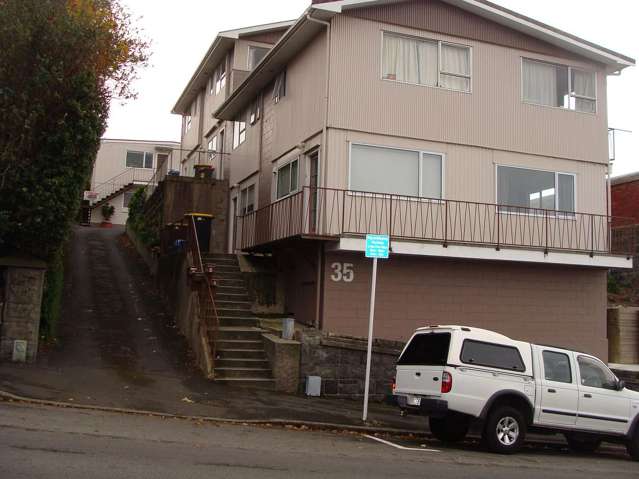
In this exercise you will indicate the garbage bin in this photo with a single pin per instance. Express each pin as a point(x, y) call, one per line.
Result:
point(203, 224)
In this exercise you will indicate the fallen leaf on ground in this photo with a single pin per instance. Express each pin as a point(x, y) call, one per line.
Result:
point(187, 400)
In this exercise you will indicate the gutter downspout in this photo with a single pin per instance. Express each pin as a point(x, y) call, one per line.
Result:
point(323, 171)
point(327, 69)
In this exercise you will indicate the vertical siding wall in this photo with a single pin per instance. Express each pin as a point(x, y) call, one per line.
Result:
point(492, 116)
point(563, 306)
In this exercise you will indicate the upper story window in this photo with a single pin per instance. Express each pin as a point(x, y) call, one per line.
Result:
point(139, 159)
point(287, 179)
point(255, 55)
point(254, 112)
point(426, 62)
point(192, 112)
point(560, 86)
point(523, 188)
point(395, 171)
point(279, 90)
point(218, 80)
point(187, 122)
point(239, 132)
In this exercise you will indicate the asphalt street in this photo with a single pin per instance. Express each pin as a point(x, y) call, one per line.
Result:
point(42, 442)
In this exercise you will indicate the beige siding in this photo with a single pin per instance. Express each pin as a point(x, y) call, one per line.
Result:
point(212, 101)
point(560, 305)
point(193, 137)
point(244, 158)
point(469, 172)
point(240, 55)
point(492, 116)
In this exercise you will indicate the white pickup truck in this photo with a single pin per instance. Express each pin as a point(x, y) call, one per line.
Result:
point(459, 375)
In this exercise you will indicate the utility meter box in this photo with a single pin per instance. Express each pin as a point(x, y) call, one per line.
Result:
point(19, 354)
point(313, 385)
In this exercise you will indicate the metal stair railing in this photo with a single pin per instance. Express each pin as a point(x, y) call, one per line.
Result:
point(206, 298)
point(126, 177)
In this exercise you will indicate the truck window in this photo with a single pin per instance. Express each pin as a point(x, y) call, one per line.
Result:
point(594, 374)
point(557, 367)
point(427, 349)
point(492, 355)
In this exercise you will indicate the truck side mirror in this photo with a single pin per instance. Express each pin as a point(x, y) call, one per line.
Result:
point(620, 385)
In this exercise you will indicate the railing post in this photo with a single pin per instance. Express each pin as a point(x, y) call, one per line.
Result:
point(390, 217)
point(445, 245)
point(592, 236)
point(546, 221)
point(498, 227)
point(343, 210)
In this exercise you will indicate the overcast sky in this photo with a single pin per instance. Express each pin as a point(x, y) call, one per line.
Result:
point(181, 32)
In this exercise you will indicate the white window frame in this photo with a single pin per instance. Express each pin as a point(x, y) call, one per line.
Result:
point(569, 216)
point(282, 80)
point(212, 148)
point(277, 172)
point(420, 187)
point(239, 133)
point(143, 153)
point(439, 62)
point(255, 111)
point(187, 122)
point(571, 94)
point(243, 200)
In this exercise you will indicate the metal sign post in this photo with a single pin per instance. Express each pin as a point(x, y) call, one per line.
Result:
point(376, 247)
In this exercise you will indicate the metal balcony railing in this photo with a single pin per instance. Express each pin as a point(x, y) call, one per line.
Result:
point(331, 213)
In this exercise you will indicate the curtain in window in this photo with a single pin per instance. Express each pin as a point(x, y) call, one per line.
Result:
point(583, 85)
point(456, 61)
point(409, 60)
point(540, 83)
point(384, 170)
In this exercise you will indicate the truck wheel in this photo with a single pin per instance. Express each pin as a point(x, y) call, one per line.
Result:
point(582, 444)
point(633, 446)
point(505, 430)
point(452, 428)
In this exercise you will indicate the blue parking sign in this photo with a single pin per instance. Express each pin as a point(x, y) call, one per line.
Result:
point(377, 246)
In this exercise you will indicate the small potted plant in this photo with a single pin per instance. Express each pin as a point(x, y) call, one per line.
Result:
point(107, 213)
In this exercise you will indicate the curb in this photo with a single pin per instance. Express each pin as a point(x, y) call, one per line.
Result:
point(317, 425)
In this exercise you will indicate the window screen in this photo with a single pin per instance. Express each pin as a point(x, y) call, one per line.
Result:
point(491, 355)
point(134, 159)
point(255, 56)
point(557, 367)
point(428, 349)
point(526, 188)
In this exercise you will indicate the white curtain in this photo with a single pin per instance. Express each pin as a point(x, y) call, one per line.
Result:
point(540, 83)
point(583, 84)
point(427, 58)
point(409, 60)
point(455, 60)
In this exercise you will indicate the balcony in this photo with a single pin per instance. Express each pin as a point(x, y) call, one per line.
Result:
point(325, 213)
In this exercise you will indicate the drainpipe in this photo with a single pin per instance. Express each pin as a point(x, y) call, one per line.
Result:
point(327, 69)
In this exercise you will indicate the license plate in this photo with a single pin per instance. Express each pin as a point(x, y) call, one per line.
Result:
point(414, 401)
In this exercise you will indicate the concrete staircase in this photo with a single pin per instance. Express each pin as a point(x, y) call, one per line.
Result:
point(240, 356)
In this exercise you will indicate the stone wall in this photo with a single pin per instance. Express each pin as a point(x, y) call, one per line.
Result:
point(20, 311)
point(341, 363)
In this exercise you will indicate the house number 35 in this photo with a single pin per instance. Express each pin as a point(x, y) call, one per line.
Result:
point(343, 272)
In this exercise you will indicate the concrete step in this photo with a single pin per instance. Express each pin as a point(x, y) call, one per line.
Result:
point(233, 363)
point(232, 298)
point(237, 321)
point(219, 256)
point(226, 268)
point(236, 333)
point(240, 305)
point(254, 383)
point(235, 353)
point(239, 344)
point(233, 275)
point(233, 312)
point(243, 373)
point(229, 283)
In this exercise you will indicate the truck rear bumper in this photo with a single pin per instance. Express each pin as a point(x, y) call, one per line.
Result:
point(427, 407)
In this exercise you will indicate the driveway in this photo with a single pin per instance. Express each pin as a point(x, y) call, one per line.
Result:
point(119, 347)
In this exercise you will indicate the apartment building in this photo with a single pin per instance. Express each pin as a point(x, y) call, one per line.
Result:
point(474, 136)
point(120, 167)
